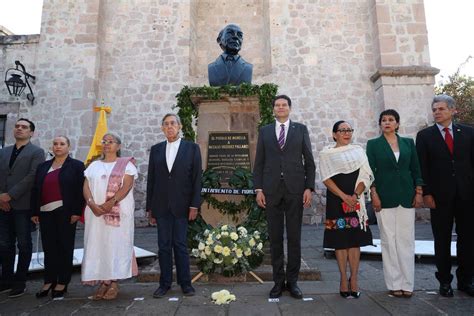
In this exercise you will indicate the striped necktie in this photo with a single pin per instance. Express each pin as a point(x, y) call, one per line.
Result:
point(281, 138)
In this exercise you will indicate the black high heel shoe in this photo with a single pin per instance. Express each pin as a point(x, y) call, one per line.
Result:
point(43, 293)
point(351, 293)
point(344, 294)
point(59, 294)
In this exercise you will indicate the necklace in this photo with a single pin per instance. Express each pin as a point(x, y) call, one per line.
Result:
point(106, 171)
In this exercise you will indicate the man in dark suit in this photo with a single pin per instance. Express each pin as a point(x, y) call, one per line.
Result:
point(18, 165)
point(284, 174)
point(229, 67)
point(173, 198)
point(446, 153)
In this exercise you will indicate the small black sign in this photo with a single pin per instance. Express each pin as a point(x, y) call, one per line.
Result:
point(227, 151)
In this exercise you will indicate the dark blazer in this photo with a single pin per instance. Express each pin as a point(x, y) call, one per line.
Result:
point(71, 181)
point(395, 181)
point(295, 161)
point(447, 175)
point(178, 190)
point(18, 180)
point(218, 76)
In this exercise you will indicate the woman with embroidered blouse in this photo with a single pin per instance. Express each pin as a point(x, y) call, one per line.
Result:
point(109, 220)
point(346, 173)
point(396, 192)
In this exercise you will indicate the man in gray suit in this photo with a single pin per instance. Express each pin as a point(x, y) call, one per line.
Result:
point(17, 172)
point(284, 174)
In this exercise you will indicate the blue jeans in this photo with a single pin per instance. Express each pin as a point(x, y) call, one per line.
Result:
point(172, 238)
point(15, 228)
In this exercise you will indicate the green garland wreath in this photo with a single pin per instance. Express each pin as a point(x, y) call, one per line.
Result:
point(241, 178)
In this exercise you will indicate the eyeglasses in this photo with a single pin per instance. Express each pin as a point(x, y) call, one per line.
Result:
point(107, 142)
point(346, 131)
point(170, 123)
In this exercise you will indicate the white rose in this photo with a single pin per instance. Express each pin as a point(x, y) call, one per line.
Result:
point(207, 250)
point(234, 261)
point(247, 252)
point(234, 236)
point(252, 242)
point(218, 236)
point(206, 232)
point(226, 251)
point(239, 253)
point(195, 252)
point(224, 227)
point(203, 255)
point(218, 249)
point(201, 246)
point(218, 261)
point(259, 246)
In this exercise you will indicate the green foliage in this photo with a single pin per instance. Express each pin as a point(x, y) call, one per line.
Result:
point(461, 88)
point(188, 112)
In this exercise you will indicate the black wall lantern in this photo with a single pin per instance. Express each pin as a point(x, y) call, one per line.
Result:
point(15, 83)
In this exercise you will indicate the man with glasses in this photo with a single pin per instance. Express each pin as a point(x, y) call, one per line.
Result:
point(284, 174)
point(17, 172)
point(173, 197)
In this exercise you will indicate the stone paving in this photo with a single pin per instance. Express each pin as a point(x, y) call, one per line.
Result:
point(135, 298)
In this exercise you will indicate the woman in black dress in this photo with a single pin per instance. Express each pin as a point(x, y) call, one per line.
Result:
point(346, 173)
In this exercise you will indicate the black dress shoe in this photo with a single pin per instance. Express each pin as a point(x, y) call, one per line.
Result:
point(160, 292)
point(44, 293)
point(4, 288)
point(276, 290)
point(294, 290)
point(58, 294)
point(17, 292)
point(446, 290)
point(466, 288)
point(188, 290)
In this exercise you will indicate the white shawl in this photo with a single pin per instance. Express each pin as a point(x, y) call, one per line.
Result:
point(347, 159)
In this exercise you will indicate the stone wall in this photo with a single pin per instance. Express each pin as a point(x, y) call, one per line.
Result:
point(337, 60)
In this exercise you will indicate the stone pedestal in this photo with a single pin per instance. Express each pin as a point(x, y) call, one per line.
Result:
point(228, 114)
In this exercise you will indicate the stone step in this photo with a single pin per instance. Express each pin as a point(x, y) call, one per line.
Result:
point(151, 273)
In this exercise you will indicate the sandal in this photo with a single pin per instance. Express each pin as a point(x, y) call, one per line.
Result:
point(407, 294)
point(397, 293)
point(100, 292)
point(112, 291)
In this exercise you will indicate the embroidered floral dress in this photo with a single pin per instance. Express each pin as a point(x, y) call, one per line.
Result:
point(343, 230)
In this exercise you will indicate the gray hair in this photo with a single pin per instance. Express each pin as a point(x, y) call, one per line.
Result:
point(446, 99)
point(171, 114)
point(116, 139)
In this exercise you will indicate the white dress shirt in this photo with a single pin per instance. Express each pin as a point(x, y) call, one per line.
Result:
point(443, 133)
point(171, 152)
point(278, 128)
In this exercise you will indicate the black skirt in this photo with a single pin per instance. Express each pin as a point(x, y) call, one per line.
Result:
point(343, 230)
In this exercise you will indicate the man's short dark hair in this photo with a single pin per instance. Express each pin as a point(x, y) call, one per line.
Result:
point(32, 125)
point(281, 96)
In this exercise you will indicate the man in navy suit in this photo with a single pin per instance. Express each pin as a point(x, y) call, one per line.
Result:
point(173, 198)
point(446, 153)
point(284, 174)
point(229, 67)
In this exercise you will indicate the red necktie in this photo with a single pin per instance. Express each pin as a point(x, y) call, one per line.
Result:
point(448, 138)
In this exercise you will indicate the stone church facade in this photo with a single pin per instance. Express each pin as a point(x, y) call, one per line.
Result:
point(337, 59)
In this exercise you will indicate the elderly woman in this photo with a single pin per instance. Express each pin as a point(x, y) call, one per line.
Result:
point(57, 204)
point(395, 193)
point(346, 173)
point(109, 220)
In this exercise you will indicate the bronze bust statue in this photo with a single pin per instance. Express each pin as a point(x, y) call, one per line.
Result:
point(230, 67)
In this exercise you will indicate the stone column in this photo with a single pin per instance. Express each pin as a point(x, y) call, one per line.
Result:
point(404, 78)
point(228, 114)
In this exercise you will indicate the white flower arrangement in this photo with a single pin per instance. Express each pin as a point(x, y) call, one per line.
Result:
point(228, 250)
point(222, 297)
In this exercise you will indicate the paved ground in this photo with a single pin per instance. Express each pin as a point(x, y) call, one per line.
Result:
point(136, 298)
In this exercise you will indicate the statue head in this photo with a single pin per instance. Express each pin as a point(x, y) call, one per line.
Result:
point(230, 39)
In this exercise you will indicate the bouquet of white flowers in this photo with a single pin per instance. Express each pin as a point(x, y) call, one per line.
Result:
point(228, 250)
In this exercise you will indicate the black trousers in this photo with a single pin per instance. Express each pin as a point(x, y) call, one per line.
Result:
point(442, 220)
point(15, 229)
point(285, 208)
point(57, 236)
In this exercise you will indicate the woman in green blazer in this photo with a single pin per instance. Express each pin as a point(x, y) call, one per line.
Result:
point(395, 193)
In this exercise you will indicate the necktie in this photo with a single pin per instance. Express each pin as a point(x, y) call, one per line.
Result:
point(281, 137)
point(448, 138)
